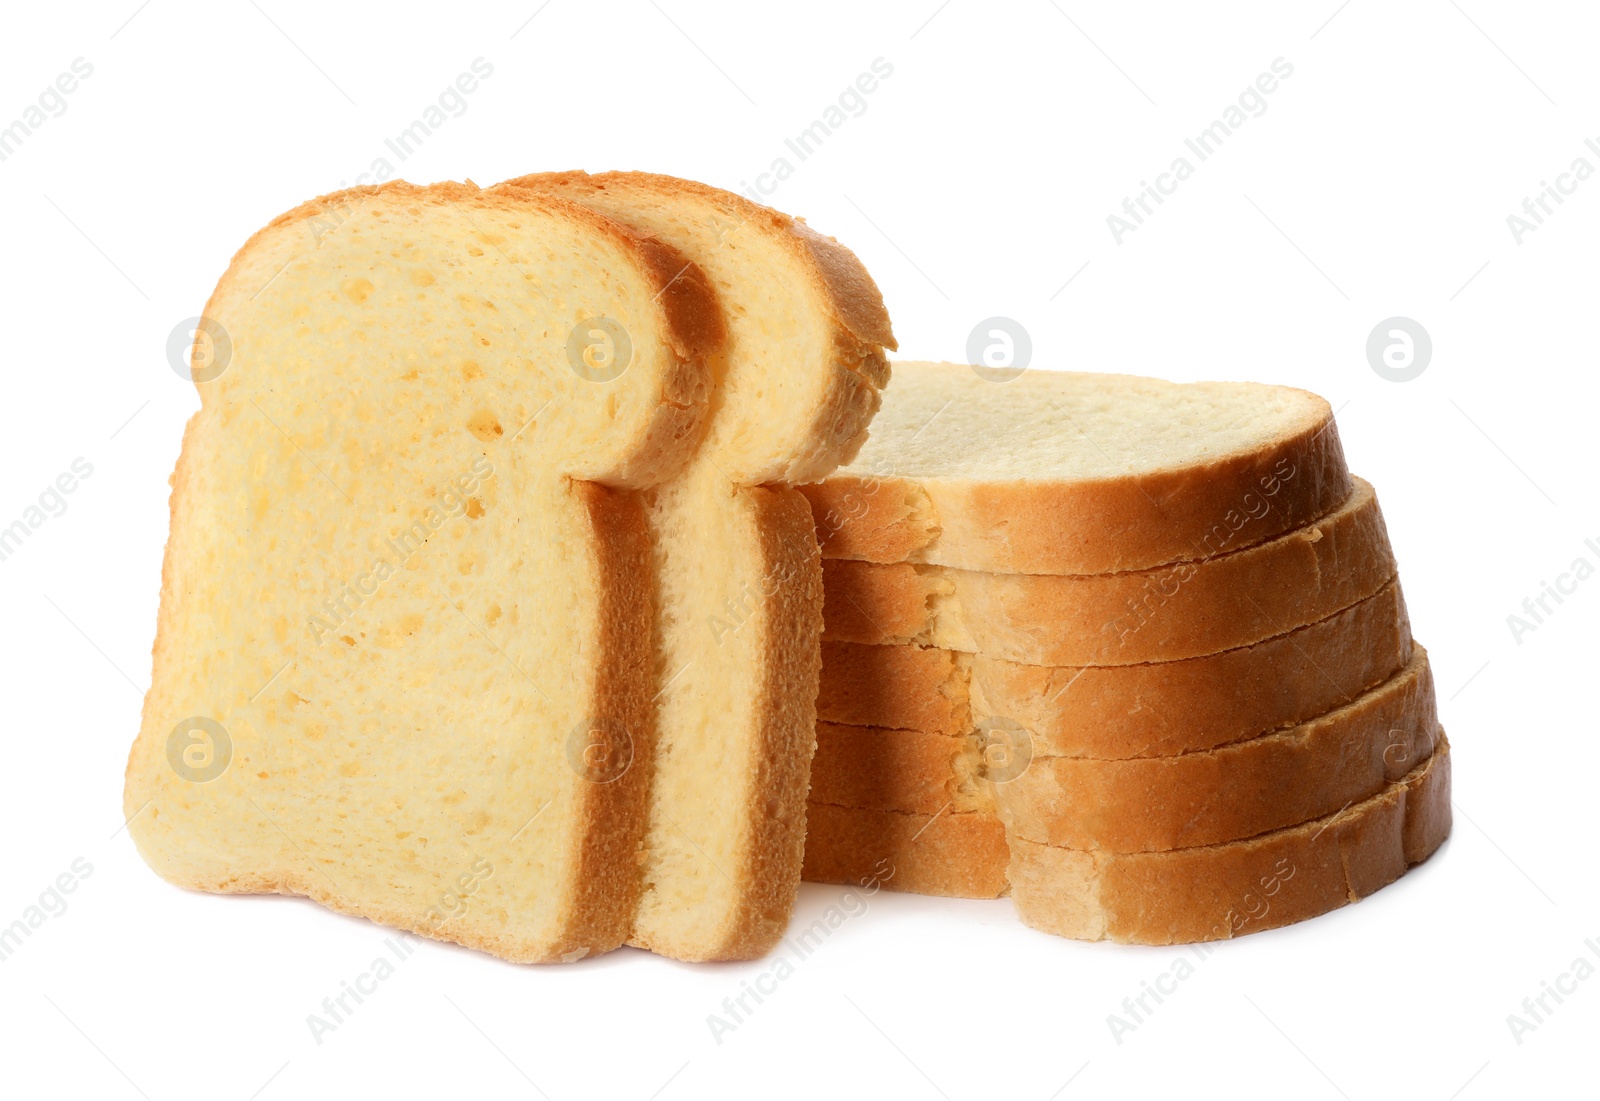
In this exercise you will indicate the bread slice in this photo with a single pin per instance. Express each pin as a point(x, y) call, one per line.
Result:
point(1150, 804)
point(1166, 614)
point(1216, 892)
point(1115, 712)
point(954, 855)
point(1068, 473)
point(402, 660)
point(796, 387)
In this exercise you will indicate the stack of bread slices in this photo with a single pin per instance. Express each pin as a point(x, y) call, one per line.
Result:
point(1134, 652)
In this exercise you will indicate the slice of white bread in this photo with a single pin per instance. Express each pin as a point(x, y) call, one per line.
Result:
point(402, 660)
point(954, 855)
point(1165, 614)
point(1069, 473)
point(1151, 804)
point(797, 385)
point(1216, 892)
point(1114, 712)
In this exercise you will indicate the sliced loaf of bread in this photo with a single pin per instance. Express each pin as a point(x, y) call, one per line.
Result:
point(403, 655)
point(797, 383)
point(1070, 473)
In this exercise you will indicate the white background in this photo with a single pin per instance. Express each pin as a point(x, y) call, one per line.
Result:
point(977, 183)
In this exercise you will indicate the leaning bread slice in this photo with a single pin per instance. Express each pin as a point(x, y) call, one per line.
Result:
point(956, 855)
point(1166, 614)
point(1216, 892)
point(402, 656)
point(1150, 804)
point(797, 385)
point(1069, 473)
point(1120, 711)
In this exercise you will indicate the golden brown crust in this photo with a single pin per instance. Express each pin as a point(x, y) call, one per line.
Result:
point(904, 770)
point(1152, 804)
point(1102, 526)
point(954, 855)
point(857, 303)
point(899, 687)
point(1118, 712)
point(691, 302)
point(1167, 614)
point(1185, 706)
point(855, 295)
point(1216, 892)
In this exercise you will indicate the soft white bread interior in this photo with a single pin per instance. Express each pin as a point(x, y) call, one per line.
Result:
point(403, 654)
point(1073, 473)
point(797, 384)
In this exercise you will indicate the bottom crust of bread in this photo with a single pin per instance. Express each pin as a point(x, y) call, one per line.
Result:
point(955, 855)
point(1217, 892)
